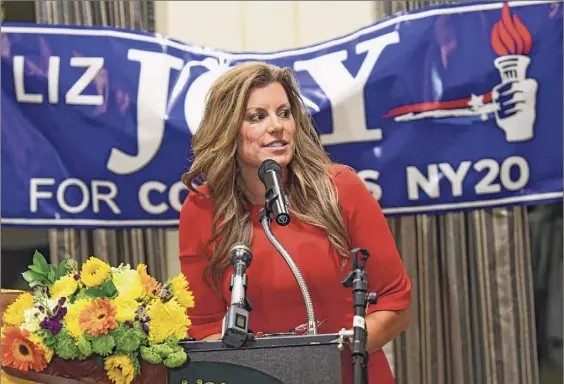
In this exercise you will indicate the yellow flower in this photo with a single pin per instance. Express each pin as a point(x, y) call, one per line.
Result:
point(72, 318)
point(128, 283)
point(126, 308)
point(64, 287)
point(48, 352)
point(167, 319)
point(181, 292)
point(14, 314)
point(150, 284)
point(94, 272)
point(120, 369)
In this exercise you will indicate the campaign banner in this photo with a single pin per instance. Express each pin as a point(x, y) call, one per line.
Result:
point(447, 108)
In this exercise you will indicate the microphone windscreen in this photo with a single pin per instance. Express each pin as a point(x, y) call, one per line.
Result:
point(240, 251)
point(268, 165)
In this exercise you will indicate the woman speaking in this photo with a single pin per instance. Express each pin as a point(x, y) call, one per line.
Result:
point(254, 112)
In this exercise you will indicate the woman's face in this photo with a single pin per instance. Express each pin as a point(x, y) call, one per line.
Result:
point(268, 128)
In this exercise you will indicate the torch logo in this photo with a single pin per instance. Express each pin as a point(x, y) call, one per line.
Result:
point(512, 102)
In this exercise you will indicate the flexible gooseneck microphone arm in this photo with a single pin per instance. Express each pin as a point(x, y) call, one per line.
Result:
point(264, 217)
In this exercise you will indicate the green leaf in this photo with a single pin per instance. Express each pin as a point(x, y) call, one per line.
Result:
point(35, 283)
point(37, 269)
point(40, 261)
point(51, 275)
point(93, 293)
point(61, 269)
point(109, 289)
point(31, 276)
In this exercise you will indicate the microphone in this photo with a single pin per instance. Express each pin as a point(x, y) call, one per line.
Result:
point(235, 330)
point(269, 173)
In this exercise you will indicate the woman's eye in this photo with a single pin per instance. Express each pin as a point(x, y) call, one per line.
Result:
point(256, 117)
point(285, 113)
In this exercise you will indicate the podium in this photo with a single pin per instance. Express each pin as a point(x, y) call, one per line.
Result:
point(268, 360)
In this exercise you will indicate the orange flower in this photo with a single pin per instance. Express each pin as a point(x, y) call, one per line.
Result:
point(150, 285)
point(98, 317)
point(19, 352)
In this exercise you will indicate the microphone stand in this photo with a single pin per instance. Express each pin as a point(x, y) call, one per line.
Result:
point(356, 279)
point(235, 330)
point(265, 218)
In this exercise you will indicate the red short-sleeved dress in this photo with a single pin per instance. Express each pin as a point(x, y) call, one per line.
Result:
point(277, 301)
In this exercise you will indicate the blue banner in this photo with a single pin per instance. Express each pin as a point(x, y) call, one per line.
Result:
point(446, 108)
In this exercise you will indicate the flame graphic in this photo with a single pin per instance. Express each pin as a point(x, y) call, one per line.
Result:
point(510, 36)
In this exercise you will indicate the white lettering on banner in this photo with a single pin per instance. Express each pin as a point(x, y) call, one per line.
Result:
point(152, 96)
point(456, 178)
point(194, 101)
point(144, 201)
point(53, 79)
point(84, 192)
point(487, 184)
point(94, 194)
point(74, 95)
point(108, 198)
point(370, 176)
point(93, 67)
point(162, 207)
point(416, 180)
point(35, 194)
point(19, 84)
point(345, 92)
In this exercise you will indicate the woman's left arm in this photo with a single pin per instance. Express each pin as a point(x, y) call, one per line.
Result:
point(385, 272)
point(383, 326)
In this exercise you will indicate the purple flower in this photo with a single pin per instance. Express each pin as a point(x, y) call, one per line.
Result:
point(77, 277)
point(61, 313)
point(52, 325)
point(56, 327)
point(145, 327)
point(62, 300)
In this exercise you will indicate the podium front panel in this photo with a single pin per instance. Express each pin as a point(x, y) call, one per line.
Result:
point(270, 360)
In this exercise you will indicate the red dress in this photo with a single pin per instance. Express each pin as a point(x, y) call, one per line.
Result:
point(277, 301)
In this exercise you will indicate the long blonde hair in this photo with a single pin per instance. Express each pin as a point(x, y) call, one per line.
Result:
point(311, 193)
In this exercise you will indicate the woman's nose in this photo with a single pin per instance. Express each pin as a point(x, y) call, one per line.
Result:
point(276, 124)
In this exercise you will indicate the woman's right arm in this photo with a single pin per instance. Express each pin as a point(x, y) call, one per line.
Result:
point(193, 232)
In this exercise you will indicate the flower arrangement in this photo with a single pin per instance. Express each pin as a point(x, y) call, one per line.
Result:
point(119, 315)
